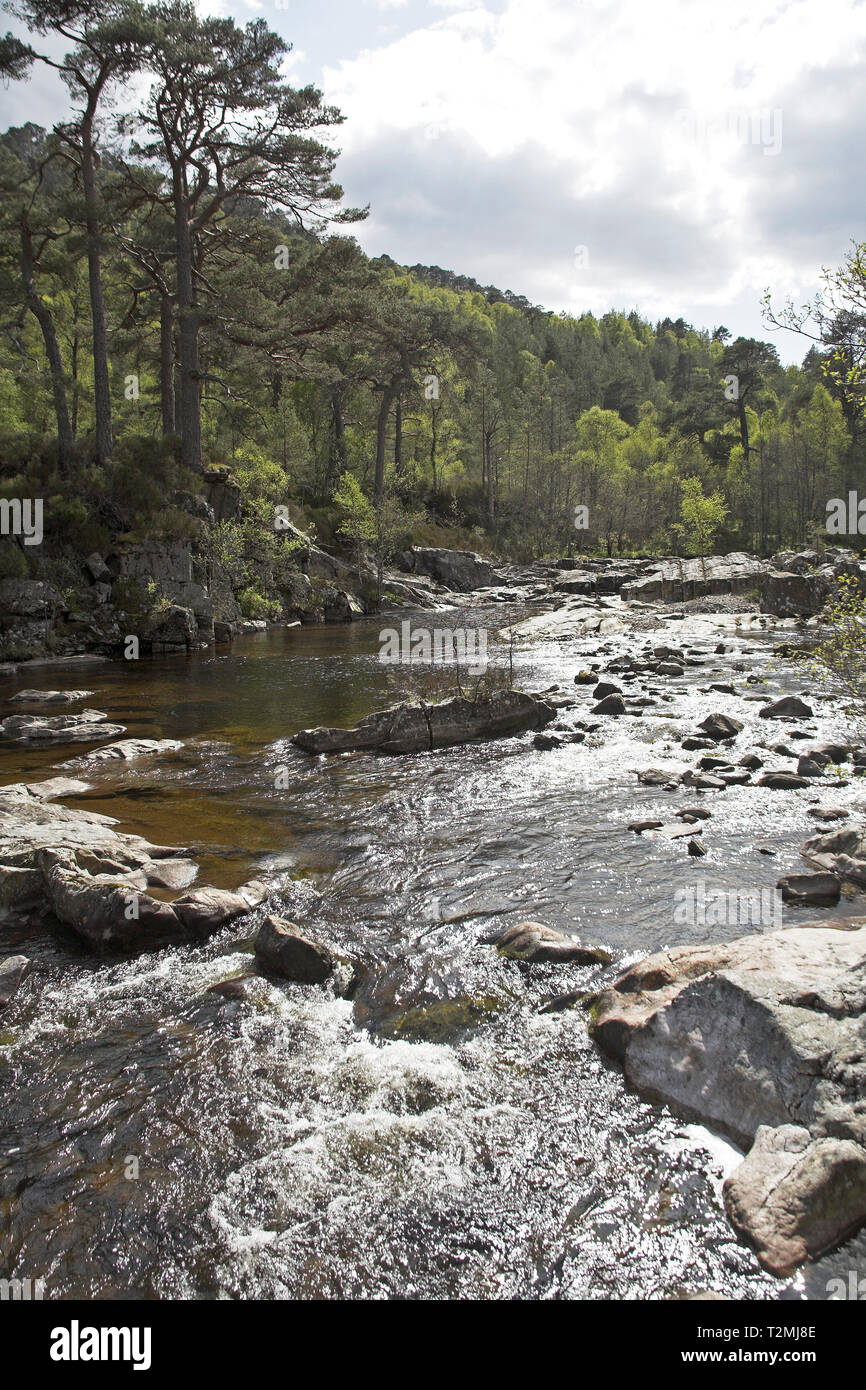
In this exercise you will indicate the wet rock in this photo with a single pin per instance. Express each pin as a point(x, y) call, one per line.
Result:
point(282, 950)
point(809, 767)
point(750, 761)
point(234, 988)
point(782, 781)
point(13, 969)
point(694, 813)
point(830, 814)
point(833, 752)
point(50, 697)
point(58, 728)
point(545, 742)
point(533, 942)
point(703, 781)
point(107, 911)
point(693, 743)
point(585, 678)
point(639, 826)
point(605, 688)
point(762, 1031)
point(810, 890)
point(794, 1197)
point(124, 750)
point(342, 607)
point(223, 633)
point(669, 668)
point(206, 909)
point(416, 727)
point(611, 704)
point(788, 707)
point(696, 849)
point(720, 727)
point(653, 777)
point(170, 873)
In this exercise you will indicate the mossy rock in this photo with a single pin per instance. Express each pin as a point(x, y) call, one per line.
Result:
point(444, 1021)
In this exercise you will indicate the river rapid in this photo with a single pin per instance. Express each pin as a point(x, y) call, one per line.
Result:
point(160, 1141)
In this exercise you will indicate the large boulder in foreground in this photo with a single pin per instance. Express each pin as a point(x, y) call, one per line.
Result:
point(417, 727)
point(753, 1035)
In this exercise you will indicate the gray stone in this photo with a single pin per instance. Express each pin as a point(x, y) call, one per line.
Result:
point(611, 704)
point(788, 707)
point(810, 890)
point(283, 950)
point(415, 727)
point(13, 969)
point(534, 942)
point(50, 697)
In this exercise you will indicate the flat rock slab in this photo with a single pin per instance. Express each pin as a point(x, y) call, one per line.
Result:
point(87, 726)
point(418, 727)
point(125, 750)
point(765, 1031)
point(50, 697)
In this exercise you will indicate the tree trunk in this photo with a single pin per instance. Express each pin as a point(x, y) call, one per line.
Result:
point(190, 371)
point(166, 363)
point(744, 427)
point(43, 316)
point(388, 394)
point(398, 435)
point(101, 389)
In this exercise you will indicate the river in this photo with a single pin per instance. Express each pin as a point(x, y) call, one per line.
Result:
point(158, 1141)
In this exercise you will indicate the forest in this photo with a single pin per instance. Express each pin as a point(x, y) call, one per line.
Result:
point(181, 292)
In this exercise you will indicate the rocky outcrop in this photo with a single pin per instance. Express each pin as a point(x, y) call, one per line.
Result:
point(760, 1034)
point(94, 879)
point(677, 581)
point(461, 570)
point(59, 728)
point(417, 727)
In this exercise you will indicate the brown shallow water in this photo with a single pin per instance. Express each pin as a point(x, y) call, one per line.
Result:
point(279, 1151)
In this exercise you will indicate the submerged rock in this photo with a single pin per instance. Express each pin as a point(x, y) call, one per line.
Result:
point(126, 749)
point(50, 697)
point(417, 727)
point(810, 890)
point(534, 942)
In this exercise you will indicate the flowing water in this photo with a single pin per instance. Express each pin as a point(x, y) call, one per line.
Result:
point(157, 1140)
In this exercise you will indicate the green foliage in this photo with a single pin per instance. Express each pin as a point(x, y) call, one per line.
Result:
point(839, 657)
point(702, 517)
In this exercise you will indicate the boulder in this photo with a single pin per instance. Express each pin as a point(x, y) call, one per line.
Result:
point(176, 631)
point(788, 707)
point(460, 570)
point(416, 727)
point(282, 950)
point(13, 969)
point(206, 909)
point(782, 781)
point(810, 890)
point(763, 1032)
point(341, 607)
point(98, 569)
point(794, 1197)
point(720, 727)
point(809, 767)
point(533, 942)
point(611, 704)
point(605, 688)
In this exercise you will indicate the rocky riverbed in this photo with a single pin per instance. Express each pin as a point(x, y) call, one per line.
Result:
point(656, 745)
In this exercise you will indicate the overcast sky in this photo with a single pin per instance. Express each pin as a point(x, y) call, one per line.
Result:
point(676, 157)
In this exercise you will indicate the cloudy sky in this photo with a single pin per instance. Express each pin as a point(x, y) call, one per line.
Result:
point(678, 157)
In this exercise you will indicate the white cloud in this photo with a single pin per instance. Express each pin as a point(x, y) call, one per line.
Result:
point(700, 113)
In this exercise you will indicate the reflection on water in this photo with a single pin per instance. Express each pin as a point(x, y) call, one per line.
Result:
point(279, 1150)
